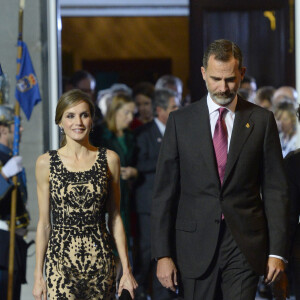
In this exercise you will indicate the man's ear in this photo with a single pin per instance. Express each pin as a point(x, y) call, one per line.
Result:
point(158, 110)
point(203, 73)
point(243, 71)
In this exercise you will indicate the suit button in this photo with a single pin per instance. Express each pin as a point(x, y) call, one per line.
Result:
point(217, 221)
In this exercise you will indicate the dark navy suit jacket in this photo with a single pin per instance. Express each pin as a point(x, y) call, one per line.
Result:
point(148, 141)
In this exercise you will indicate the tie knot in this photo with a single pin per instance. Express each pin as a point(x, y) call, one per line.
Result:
point(222, 111)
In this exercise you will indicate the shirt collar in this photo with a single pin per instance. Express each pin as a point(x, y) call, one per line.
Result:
point(212, 106)
point(161, 126)
point(5, 149)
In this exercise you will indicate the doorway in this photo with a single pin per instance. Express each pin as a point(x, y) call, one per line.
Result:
point(139, 41)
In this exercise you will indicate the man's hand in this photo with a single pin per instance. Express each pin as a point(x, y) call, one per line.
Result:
point(128, 172)
point(275, 269)
point(167, 273)
point(12, 167)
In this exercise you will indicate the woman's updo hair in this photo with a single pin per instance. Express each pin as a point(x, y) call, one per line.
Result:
point(70, 99)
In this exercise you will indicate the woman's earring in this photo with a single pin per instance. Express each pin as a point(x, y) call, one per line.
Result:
point(61, 129)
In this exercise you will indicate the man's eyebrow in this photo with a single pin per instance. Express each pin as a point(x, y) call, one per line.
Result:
point(214, 77)
point(219, 78)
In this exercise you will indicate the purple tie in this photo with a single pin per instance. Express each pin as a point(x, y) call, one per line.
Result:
point(220, 143)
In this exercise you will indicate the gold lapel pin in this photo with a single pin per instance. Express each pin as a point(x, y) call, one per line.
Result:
point(247, 125)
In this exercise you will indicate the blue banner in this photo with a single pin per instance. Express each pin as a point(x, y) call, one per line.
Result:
point(1, 73)
point(27, 89)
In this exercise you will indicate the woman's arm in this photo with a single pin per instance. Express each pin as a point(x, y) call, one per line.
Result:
point(116, 225)
point(43, 227)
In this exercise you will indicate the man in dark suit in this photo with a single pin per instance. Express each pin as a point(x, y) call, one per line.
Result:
point(148, 141)
point(292, 166)
point(220, 204)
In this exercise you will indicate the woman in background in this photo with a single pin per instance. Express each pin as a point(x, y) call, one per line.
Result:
point(143, 94)
point(79, 184)
point(286, 119)
point(114, 134)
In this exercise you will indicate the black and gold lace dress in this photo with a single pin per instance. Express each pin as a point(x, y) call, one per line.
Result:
point(79, 259)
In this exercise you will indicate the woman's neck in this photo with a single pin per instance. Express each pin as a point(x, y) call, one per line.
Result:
point(146, 120)
point(77, 148)
point(120, 132)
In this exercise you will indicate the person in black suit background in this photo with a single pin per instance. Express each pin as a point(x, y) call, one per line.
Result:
point(220, 206)
point(292, 164)
point(148, 141)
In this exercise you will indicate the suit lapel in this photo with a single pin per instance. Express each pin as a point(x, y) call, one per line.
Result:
point(203, 136)
point(242, 128)
point(156, 136)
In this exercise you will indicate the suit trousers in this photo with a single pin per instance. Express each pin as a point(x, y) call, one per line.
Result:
point(229, 277)
point(4, 284)
point(294, 270)
point(144, 267)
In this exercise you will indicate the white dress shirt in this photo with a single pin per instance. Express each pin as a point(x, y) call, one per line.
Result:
point(161, 126)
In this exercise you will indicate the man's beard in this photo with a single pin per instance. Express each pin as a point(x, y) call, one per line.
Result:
point(223, 98)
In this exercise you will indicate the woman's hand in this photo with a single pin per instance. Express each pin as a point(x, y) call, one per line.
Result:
point(39, 289)
point(128, 172)
point(127, 282)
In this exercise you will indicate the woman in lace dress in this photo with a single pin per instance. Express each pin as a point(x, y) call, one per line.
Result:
point(77, 185)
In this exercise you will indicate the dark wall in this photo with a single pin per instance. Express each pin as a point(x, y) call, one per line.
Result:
point(268, 54)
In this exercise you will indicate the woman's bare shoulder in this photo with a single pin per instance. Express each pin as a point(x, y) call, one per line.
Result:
point(112, 157)
point(43, 161)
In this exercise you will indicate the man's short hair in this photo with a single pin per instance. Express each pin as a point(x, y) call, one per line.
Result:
point(169, 81)
point(223, 50)
point(265, 93)
point(161, 98)
point(248, 79)
point(143, 88)
point(80, 75)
